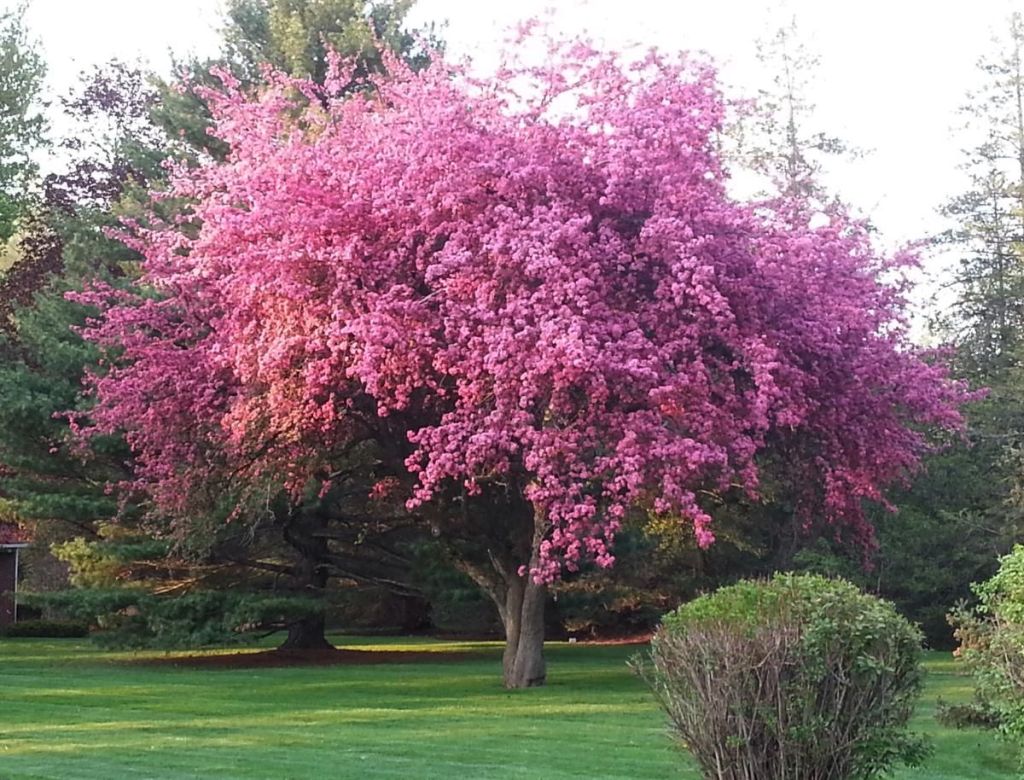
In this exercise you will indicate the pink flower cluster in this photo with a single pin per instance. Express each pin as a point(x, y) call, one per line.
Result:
point(539, 277)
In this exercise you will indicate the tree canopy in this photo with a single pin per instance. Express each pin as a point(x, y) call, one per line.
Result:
point(532, 297)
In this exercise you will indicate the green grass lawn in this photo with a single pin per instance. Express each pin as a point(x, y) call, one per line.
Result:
point(70, 711)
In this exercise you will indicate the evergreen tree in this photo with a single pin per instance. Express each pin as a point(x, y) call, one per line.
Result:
point(776, 135)
point(22, 124)
point(292, 36)
point(986, 320)
point(63, 247)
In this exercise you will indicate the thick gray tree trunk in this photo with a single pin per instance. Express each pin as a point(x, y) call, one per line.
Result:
point(523, 664)
point(520, 601)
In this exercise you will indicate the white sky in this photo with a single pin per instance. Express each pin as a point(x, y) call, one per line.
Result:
point(892, 75)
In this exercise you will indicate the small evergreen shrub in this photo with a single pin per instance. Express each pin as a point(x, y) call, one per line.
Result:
point(54, 629)
point(796, 677)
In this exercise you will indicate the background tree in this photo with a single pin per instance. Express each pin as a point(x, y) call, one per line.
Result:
point(295, 36)
point(292, 36)
point(62, 247)
point(21, 120)
point(775, 133)
point(987, 317)
point(950, 528)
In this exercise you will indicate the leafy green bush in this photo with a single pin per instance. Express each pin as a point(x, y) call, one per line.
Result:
point(56, 629)
point(991, 646)
point(799, 676)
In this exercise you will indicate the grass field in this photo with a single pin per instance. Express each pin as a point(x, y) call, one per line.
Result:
point(70, 711)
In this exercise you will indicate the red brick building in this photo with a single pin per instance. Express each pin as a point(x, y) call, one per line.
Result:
point(12, 540)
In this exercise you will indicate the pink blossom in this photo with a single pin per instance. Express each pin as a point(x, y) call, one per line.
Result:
point(568, 298)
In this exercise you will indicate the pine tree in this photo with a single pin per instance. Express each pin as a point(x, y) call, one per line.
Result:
point(986, 321)
point(776, 135)
point(22, 124)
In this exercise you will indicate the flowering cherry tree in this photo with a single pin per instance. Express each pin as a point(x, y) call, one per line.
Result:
point(533, 295)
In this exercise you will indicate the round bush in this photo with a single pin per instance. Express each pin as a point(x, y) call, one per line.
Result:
point(795, 677)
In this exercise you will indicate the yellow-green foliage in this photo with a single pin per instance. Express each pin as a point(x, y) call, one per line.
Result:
point(10, 252)
point(991, 640)
point(8, 512)
point(88, 565)
point(298, 30)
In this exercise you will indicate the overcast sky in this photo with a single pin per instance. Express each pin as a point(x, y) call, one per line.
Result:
point(892, 75)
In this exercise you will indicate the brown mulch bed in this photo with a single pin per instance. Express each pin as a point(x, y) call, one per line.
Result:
point(266, 659)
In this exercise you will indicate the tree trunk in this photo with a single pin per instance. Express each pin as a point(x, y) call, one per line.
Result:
point(307, 634)
point(520, 601)
point(304, 534)
point(523, 664)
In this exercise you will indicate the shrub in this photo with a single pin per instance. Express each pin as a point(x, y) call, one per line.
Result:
point(991, 647)
point(55, 629)
point(132, 617)
point(795, 677)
